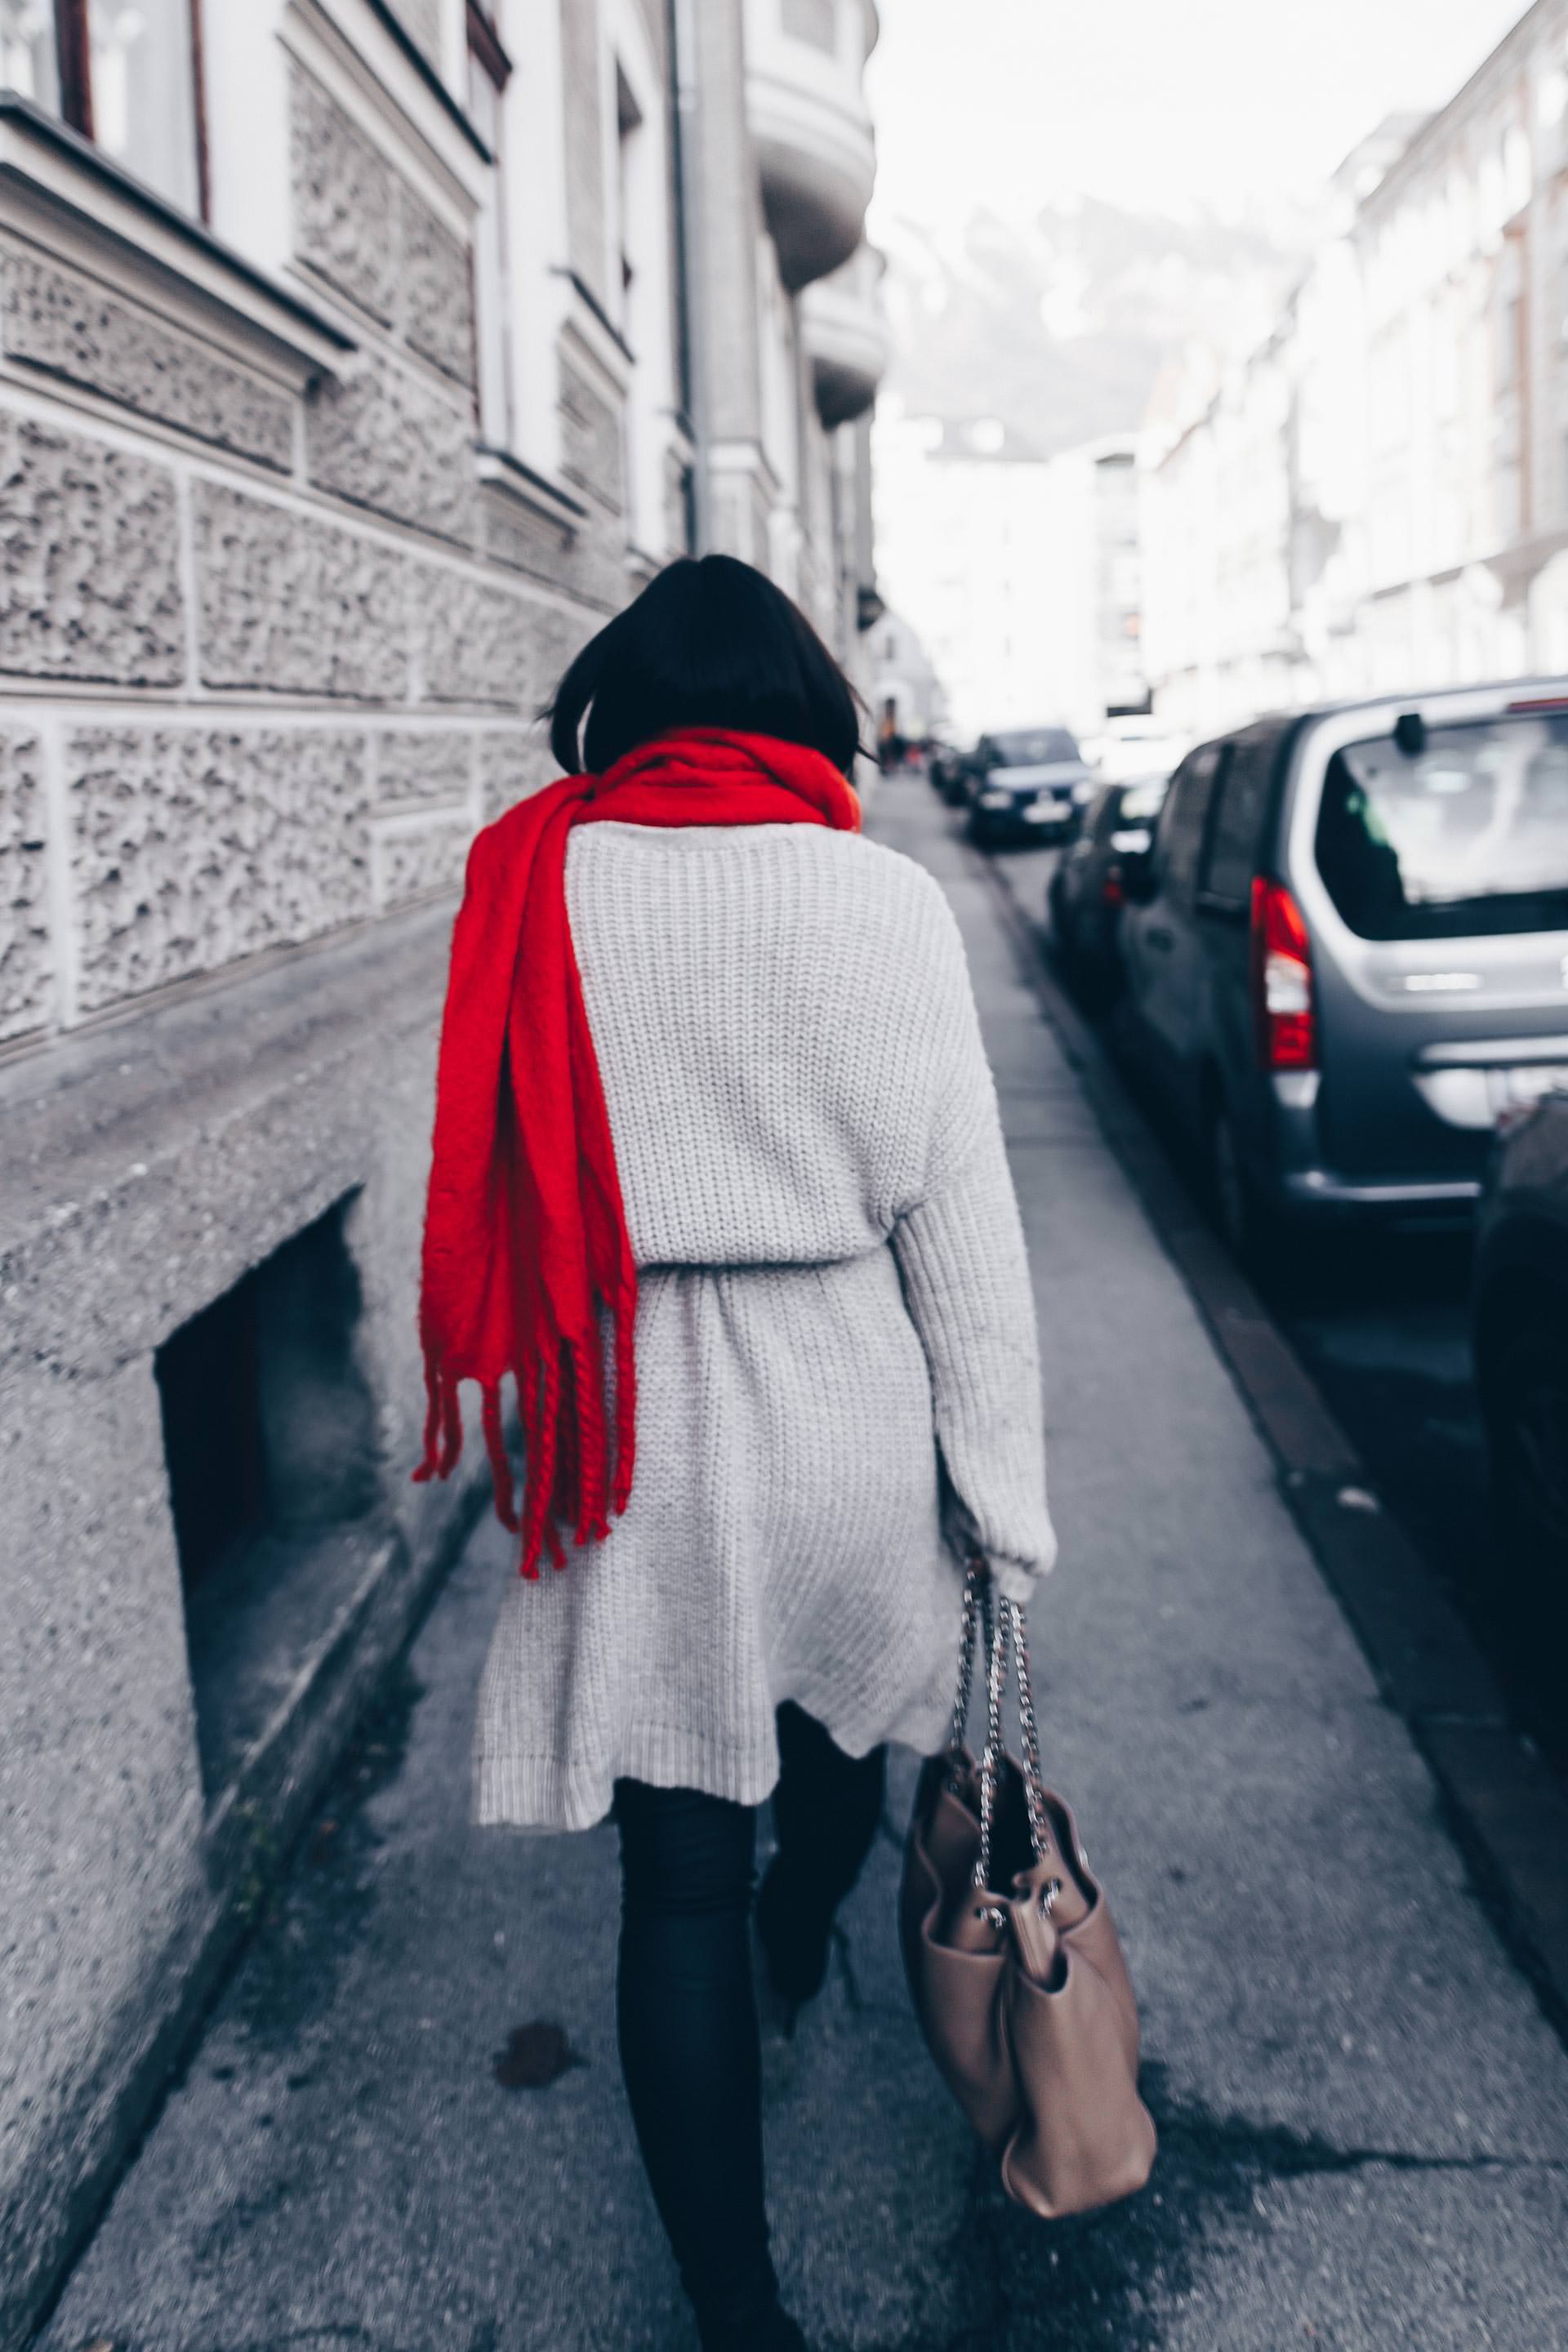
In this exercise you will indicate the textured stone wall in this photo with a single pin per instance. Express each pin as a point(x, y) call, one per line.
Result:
point(89, 582)
point(26, 957)
point(421, 764)
point(66, 324)
point(345, 199)
point(438, 304)
point(513, 762)
point(473, 642)
point(591, 453)
point(192, 846)
point(290, 605)
point(360, 226)
point(389, 440)
point(423, 861)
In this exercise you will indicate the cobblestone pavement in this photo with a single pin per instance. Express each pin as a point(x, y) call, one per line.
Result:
point(1364, 2118)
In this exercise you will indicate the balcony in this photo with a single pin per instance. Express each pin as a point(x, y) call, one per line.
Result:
point(845, 337)
point(804, 66)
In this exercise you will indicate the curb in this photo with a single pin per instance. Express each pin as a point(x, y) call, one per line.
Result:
point(1506, 1810)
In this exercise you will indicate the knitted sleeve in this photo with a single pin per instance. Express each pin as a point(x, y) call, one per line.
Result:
point(965, 1273)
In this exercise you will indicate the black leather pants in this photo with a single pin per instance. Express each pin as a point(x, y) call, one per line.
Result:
point(686, 2010)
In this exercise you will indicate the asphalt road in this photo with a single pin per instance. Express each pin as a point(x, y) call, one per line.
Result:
point(1383, 1325)
point(1364, 2113)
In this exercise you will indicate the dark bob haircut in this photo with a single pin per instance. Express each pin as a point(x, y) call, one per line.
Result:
point(711, 641)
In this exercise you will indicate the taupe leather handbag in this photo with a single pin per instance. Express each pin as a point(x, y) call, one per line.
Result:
point(1022, 1995)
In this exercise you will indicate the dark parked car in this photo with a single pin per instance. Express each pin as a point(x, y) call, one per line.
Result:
point(1521, 1325)
point(1028, 784)
point(1085, 891)
point(948, 769)
point(1347, 950)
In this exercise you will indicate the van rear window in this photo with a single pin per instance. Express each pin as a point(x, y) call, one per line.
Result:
point(1463, 834)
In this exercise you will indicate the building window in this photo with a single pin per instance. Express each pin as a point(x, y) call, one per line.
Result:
point(489, 70)
point(126, 76)
point(628, 122)
point(271, 1452)
point(29, 63)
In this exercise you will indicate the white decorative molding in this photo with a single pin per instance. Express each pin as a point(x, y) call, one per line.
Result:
point(511, 479)
point(845, 337)
point(806, 110)
point(590, 337)
point(60, 195)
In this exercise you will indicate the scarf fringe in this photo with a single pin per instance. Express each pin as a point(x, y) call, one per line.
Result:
point(569, 1476)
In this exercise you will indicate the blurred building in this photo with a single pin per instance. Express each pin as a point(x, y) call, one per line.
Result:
point(357, 361)
point(905, 687)
point(1377, 496)
point(1021, 575)
point(1255, 491)
point(1463, 249)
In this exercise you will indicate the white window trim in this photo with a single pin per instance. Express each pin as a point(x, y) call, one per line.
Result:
point(651, 390)
point(62, 196)
point(501, 471)
point(535, 188)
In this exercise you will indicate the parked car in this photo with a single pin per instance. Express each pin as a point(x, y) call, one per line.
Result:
point(1029, 783)
point(1085, 891)
point(1519, 1319)
point(1347, 950)
point(948, 769)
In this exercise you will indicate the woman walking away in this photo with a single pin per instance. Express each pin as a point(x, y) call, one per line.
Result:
point(718, 1180)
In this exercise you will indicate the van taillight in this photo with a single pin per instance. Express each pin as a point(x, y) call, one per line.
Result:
point(1284, 1021)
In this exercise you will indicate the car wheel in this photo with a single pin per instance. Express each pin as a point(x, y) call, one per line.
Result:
point(1526, 1399)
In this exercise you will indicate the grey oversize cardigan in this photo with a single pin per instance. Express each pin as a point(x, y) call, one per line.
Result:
point(838, 1379)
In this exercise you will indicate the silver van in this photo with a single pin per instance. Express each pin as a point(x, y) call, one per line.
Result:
point(1346, 949)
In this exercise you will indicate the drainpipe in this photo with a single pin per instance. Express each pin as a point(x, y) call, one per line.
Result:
point(690, 250)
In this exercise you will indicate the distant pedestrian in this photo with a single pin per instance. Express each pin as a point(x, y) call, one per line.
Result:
point(892, 745)
point(719, 1176)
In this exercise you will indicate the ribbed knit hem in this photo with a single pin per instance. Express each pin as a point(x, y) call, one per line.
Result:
point(541, 1792)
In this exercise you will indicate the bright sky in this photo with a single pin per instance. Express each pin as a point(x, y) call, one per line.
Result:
point(1222, 106)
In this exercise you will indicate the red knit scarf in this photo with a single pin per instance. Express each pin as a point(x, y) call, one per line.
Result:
point(525, 1235)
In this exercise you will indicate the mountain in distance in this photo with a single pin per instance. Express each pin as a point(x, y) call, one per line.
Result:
point(1059, 329)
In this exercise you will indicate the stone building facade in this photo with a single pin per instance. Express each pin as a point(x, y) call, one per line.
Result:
point(356, 360)
point(1377, 498)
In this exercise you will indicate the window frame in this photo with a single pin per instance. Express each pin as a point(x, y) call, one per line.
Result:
point(73, 64)
point(494, 312)
point(1201, 772)
point(1266, 741)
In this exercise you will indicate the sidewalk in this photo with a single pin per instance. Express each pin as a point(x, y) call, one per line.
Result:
point(1364, 2118)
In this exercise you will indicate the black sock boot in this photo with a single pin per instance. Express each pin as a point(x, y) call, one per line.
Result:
point(774, 2331)
point(794, 1938)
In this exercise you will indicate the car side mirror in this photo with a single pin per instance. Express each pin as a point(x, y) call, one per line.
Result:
point(1138, 877)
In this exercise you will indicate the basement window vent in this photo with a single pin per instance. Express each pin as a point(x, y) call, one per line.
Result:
point(269, 1444)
